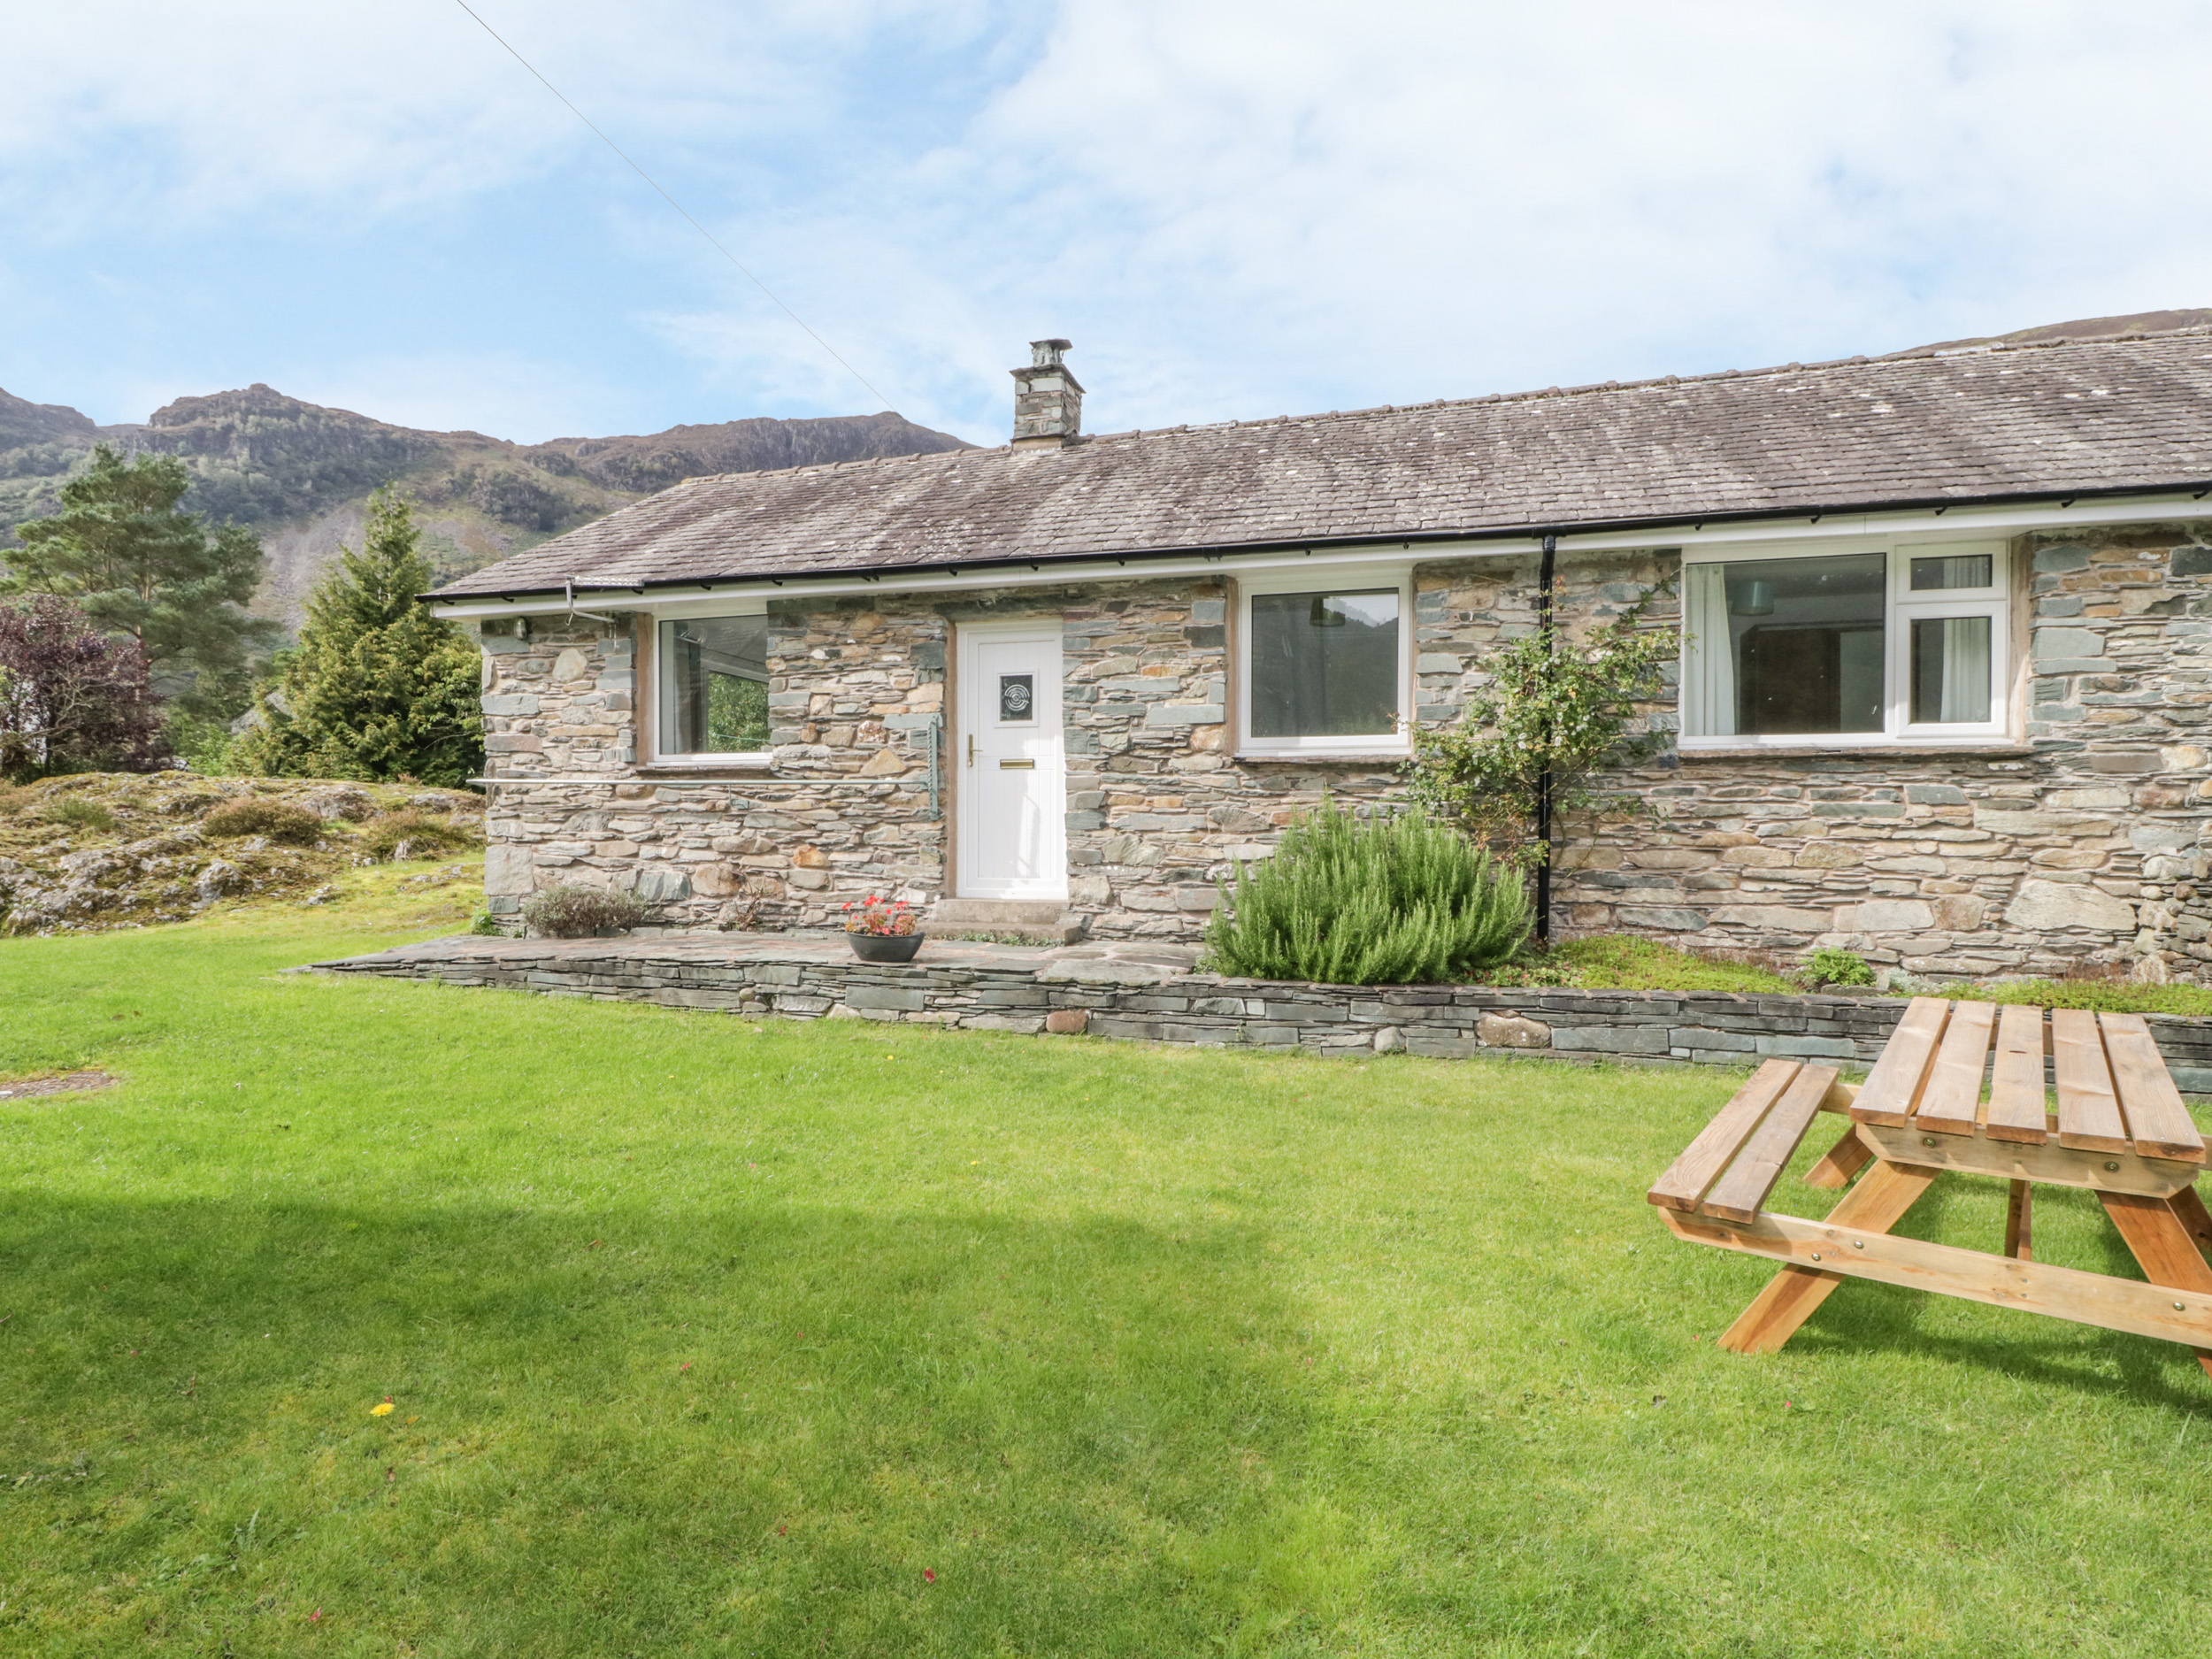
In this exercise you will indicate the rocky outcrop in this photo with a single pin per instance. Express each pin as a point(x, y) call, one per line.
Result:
point(107, 851)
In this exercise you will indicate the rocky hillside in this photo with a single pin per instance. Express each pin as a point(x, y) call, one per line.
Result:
point(115, 850)
point(300, 473)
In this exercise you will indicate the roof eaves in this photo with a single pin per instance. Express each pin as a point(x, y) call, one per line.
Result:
point(1811, 512)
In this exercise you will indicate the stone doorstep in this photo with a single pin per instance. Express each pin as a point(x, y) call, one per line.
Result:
point(1047, 923)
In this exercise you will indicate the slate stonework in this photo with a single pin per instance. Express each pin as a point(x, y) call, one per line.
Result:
point(983, 988)
point(2081, 847)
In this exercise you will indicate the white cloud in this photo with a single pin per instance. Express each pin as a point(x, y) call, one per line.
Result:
point(1242, 208)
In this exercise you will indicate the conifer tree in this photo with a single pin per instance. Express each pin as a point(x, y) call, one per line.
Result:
point(378, 688)
point(125, 554)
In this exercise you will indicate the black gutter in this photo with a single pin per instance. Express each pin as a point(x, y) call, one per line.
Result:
point(1405, 538)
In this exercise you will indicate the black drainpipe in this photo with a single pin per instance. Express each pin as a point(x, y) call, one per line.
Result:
point(1543, 778)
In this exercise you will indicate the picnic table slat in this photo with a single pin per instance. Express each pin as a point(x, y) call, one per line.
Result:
point(1891, 1089)
point(1738, 1194)
point(2088, 1109)
point(1701, 1165)
point(2157, 1121)
point(2015, 1084)
point(1952, 1096)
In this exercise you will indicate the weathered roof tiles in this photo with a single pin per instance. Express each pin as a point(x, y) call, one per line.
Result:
point(1978, 424)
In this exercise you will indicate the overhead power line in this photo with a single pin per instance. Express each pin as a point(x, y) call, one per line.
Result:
point(673, 203)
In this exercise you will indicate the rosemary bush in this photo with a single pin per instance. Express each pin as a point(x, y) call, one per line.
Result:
point(1351, 901)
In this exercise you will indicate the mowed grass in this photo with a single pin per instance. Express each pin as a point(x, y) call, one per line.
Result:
point(704, 1337)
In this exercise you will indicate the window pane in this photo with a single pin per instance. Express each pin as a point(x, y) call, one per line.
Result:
point(1324, 664)
point(1950, 670)
point(714, 685)
point(1951, 569)
point(1780, 647)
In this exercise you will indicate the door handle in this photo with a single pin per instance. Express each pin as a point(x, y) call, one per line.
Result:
point(972, 748)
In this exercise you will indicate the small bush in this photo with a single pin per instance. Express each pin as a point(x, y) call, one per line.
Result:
point(291, 825)
point(484, 923)
point(75, 813)
point(408, 835)
point(1831, 966)
point(1345, 900)
point(572, 912)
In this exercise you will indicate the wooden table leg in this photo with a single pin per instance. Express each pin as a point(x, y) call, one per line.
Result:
point(1875, 1205)
point(2019, 1222)
point(1846, 1158)
point(2163, 1245)
point(2190, 1207)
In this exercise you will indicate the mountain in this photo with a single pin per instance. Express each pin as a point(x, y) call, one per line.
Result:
point(301, 473)
point(2083, 328)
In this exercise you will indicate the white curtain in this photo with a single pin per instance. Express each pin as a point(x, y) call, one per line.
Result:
point(1708, 688)
point(1965, 670)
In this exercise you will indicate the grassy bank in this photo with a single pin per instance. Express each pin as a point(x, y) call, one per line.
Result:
point(704, 1337)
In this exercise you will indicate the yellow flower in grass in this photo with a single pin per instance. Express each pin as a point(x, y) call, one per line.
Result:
point(384, 1411)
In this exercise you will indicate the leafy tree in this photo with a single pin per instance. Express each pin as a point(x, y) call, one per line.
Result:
point(72, 698)
point(137, 564)
point(378, 688)
point(1558, 713)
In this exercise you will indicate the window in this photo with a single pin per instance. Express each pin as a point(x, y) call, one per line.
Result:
point(714, 685)
point(1861, 645)
point(1324, 663)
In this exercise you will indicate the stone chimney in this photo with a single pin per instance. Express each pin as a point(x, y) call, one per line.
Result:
point(1048, 400)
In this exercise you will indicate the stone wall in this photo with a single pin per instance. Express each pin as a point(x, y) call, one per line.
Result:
point(2081, 847)
point(1034, 993)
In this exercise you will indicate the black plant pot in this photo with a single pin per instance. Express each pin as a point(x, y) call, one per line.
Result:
point(885, 947)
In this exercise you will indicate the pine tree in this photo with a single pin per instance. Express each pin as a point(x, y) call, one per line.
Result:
point(378, 688)
point(125, 555)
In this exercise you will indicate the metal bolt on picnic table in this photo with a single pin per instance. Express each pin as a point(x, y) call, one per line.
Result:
point(2121, 1131)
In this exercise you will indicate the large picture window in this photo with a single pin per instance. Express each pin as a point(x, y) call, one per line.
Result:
point(1901, 644)
point(1323, 664)
point(714, 685)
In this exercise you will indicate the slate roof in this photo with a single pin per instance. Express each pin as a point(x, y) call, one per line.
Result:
point(2111, 416)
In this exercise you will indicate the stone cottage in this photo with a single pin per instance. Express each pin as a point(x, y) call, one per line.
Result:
point(1943, 694)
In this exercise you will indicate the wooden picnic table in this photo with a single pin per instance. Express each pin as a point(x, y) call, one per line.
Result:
point(2121, 1131)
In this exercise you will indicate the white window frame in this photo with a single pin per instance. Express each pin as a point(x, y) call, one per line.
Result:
point(1314, 579)
point(652, 687)
point(1901, 607)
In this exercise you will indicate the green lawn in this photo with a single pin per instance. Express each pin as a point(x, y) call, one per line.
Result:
point(707, 1337)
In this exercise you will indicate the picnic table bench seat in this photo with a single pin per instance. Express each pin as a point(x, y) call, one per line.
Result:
point(2120, 1130)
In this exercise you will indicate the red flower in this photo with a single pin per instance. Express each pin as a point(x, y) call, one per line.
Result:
point(928, 1577)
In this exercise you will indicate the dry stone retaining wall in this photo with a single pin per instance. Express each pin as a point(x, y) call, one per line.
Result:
point(998, 990)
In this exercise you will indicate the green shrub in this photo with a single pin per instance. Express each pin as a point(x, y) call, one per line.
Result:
point(484, 923)
point(409, 834)
point(572, 912)
point(295, 826)
point(1831, 966)
point(75, 813)
point(1346, 901)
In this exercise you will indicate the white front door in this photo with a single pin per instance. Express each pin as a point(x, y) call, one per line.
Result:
point(1013, 769)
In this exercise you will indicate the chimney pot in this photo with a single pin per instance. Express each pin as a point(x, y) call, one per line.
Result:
point(1047, 399)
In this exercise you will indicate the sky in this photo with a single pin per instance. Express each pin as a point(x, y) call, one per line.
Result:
point(1234, 210)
